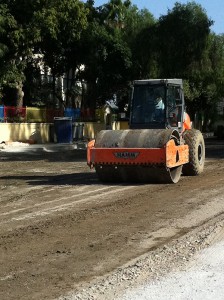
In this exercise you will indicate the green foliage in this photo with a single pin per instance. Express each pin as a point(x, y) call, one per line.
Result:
point(61, 24)
point(115, 12)
point(205, 87)
point(51, 28)
point(111, 40)
point(180, 45)
point(116, 43)
point(182, 37)
point(18, 37)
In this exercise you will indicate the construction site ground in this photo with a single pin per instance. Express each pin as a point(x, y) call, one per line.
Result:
point(65, 235)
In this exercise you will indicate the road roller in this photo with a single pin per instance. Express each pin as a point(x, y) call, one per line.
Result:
point(159, 145)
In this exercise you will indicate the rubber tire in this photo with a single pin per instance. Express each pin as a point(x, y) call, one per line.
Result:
point(194, 139)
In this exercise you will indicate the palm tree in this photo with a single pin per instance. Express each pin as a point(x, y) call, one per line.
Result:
point(116, 12)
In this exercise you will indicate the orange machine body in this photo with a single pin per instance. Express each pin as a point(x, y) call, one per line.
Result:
point(170, 155)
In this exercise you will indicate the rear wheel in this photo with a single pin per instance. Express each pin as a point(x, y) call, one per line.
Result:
point(194, 139)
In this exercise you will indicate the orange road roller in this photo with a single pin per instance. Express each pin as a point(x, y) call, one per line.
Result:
point(160, 143)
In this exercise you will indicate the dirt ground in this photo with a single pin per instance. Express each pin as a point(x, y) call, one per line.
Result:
point(60, 228)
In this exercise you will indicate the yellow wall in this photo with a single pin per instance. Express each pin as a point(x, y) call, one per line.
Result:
point(120, 125)
point(43, 132)
point(91, 129)
point(38, 132)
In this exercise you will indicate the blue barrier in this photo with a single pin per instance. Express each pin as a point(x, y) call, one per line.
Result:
point(73, 113)
point(1, 113)
point(63, 129)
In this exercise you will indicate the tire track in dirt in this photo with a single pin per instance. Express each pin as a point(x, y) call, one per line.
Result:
point(48, 207)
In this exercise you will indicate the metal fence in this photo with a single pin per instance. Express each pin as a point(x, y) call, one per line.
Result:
point(14, 114)
point(11, 114)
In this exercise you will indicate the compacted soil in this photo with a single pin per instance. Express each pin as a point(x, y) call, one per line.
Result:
point(65, 235)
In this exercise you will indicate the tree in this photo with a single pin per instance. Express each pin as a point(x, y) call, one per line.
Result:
point(137, 24)
point(115, 12)
point(178, 46)
point(10, 72)
point(205, 87)
point(107, 56)
point(61, 24)
point(144, 55)
point(18, 37)
point(48, 28)
point(111, 61)
point(182, 37)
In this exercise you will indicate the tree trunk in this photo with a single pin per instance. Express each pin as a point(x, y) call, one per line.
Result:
point(54, 87)
point(19, 95)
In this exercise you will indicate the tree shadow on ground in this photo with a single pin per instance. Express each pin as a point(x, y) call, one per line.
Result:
point(84, 178)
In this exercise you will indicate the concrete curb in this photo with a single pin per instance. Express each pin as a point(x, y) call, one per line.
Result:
point(49, 147)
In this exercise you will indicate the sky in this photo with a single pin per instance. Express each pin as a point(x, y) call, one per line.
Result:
point(213, 8)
